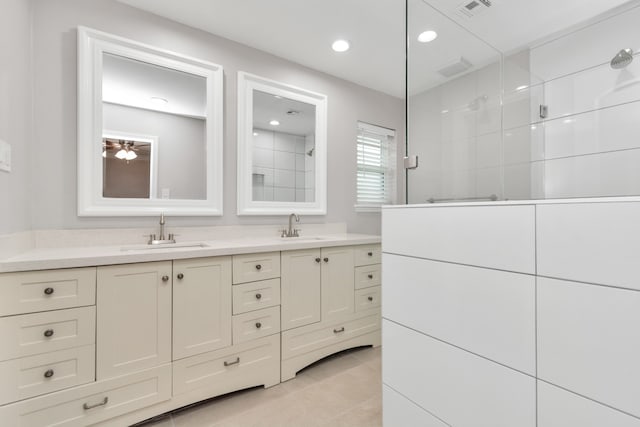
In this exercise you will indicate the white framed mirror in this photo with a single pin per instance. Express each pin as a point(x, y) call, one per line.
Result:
point(149, 130)
point(282, 148)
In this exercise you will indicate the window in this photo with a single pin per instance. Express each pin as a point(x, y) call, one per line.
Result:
point(376, 167)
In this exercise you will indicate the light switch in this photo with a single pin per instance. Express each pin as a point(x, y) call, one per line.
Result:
point(5, 156)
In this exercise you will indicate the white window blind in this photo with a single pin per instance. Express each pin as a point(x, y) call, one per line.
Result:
point(376, 166)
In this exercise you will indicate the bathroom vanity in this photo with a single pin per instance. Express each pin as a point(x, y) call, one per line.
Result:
point(113, 336)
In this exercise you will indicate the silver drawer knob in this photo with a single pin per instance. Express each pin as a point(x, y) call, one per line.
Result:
point(180, 276)
point(48, 291)
point(48, 373)
point(258, 325)
point(370, 276)
point(370, 253)
point(370, 298)
point(165, 278)
point(258, 296)
point(48, 333)
point(318, 260)
point(258, 267)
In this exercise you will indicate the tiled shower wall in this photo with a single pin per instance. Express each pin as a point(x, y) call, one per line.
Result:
point(283, 167)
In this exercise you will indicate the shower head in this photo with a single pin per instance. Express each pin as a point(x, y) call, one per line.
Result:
point(310, 152)
point(622, 59)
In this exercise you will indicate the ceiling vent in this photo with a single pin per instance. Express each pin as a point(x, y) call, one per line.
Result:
point(458, 66)
point(471, 8)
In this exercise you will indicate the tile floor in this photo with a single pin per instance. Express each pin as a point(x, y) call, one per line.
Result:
point(344, 390)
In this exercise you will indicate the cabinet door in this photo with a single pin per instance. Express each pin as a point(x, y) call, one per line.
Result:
point(300, 288)
point(133, 318)
point(337, 282)
point(201, 305)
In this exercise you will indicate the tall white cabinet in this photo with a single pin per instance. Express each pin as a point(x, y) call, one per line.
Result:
point(515, 314)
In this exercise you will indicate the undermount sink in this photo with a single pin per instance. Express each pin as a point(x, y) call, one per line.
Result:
point(302, 239)
point(166, 246)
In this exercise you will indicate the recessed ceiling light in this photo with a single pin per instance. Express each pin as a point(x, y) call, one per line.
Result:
point(427, 36)
point(340, 46)
point(159, 101)
point(274, 123)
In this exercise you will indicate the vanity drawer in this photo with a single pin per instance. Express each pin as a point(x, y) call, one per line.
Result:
point(35, 375)
point(229, 369)
point(299, 341)
point(30, 334)
point(256, 324)
point(91, 403)
point(33, 291)
point(256, 295)
point(368, 254)
point(253, 267)
point(367, 276)
point(367, 298)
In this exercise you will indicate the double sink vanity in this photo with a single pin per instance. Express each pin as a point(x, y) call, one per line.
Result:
point(114, 335)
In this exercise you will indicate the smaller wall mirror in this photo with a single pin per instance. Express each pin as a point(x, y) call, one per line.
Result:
point(281, 148)
point(149, 130)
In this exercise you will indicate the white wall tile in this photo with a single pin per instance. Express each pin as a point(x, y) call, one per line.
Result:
point(518, 181)
point(615, 128)
point(461, 389)
point(488, 312)
point(590, 46)
point(524, 144)
point(489, 150)
point(570, 246)
point(300, 180)
point(300, 144)
point(267, 173)
point(499, 237)
point(263, 158)
point(263, 139)
point(284, 160)
point(300, 162)
point(400, 411)
point(284, 194)
point(489, 182)
point(598, 175)
point(588, 341)
point(285, 142)
point(284, 178)
point(560, 408)
point(300, 195)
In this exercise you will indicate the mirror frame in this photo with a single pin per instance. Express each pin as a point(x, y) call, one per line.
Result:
point(92, 44)
point(247, 84)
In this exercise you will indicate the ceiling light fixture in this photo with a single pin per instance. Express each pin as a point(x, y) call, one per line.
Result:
point(427, 36)
point(274, 123)
point(340, 46)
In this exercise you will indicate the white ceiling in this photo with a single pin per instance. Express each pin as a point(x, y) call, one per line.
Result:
point(302, 30)
point(295, 117)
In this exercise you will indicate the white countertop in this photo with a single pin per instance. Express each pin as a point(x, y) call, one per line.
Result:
point(69, 257)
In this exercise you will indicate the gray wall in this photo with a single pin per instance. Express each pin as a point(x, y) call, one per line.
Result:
point(15, 113)
point(55, 23)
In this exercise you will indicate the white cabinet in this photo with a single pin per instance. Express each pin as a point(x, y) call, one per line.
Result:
point(337, 283)
point(133, 318)
point(300, 288)
point(201, 305)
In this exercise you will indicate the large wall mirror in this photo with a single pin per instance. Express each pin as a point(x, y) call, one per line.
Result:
point(149, 130)
point(282, 133)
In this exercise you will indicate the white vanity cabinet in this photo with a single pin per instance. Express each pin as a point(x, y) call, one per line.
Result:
point(315, 327)
point(201, 305)
point(133, 318)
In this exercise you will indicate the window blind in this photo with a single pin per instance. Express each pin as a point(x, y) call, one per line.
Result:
point(375, 160)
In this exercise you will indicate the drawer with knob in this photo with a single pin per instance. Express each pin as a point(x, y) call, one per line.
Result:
point(36, 333)
point(34, 291)
point(256, 295)
point(253, 267)
point(368, 254)
point(44, 373)
point(367, 276)
point(367, 298)
point(256, 324)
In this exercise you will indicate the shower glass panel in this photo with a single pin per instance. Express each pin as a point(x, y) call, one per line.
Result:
point(506, 104)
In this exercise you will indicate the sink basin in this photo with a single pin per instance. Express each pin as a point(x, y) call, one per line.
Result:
point(168, 246)
point(302, 239)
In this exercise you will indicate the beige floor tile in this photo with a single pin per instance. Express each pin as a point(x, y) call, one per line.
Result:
point(366, 414)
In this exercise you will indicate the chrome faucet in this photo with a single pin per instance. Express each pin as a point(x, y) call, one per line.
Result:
point(291, 232)
point(161, 240)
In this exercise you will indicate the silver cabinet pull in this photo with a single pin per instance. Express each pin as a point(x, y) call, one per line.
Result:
point(337, 331)
point(318, 260)
point(165, 278)
point(180, 276)
point(326, 260)
point(48, 291)
point(48, 373)
point(258, 296)
point(370, 253)
point(258, 325)
point(370, 276)
point(370, 298)
point(87, 406)
point(258, 267)
point(235, 362)
point(48, 333)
